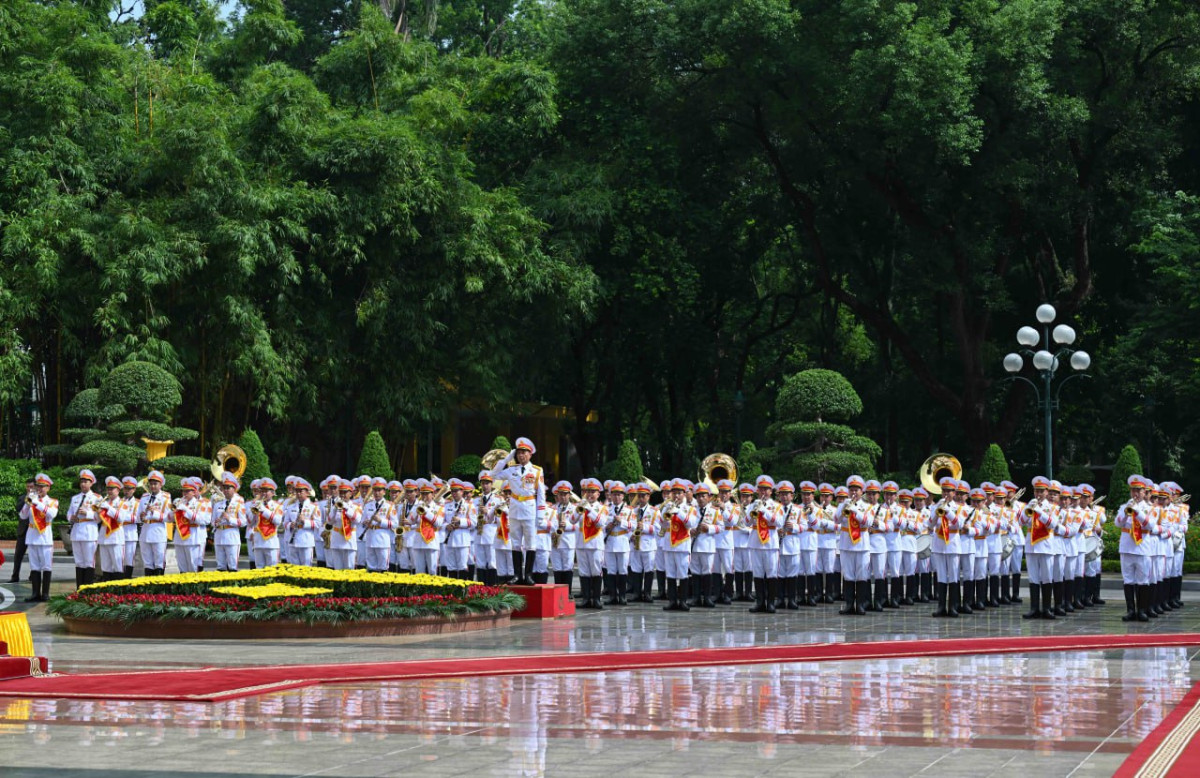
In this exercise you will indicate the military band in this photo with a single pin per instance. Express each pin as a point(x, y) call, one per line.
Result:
point(871, 546)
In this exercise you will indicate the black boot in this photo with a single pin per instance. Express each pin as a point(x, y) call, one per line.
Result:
point(739, 588)
point(78, 577)
point(1035, 608)
point(1177, 588)
point(709, 584)
point(45, 595)
point(863, 600)
point(672, 596)
point(773, 586)
point(1047, 601)
point(831, 584)
point(1143, 602)
point(1155, 609)
point(1016, 588)
point(954, 608)
point(980, 587)
point(963, 603)
point(926, 587)
point(661, 577)
point(760, 596)
point(714, 588)
point(1082, 593)
point(1130, 603)
point(993, 591)
point(727, 583)
point(896, 594)
point(128, 571)
point(942, 597)
point(1059, 591)
point(876, 602)
point(646, 594)
point(812, 594)
point(36, 595)
point(612, 584)
point(622, 589)
point(1005, 588)
point(1096, 598)
point(910, 590)
point(518, 558)
point(598, 592)
point(1068, 589)
point(837, 586)
point(851, 606)
point(793, 592)
point(530, 559)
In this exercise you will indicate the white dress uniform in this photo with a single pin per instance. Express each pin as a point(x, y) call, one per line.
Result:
point(1137, 524)
point(427, 520)
point(562, 551)
point(40, 539)
point(789, 542)
point(483, 539)
point(854, 551)
point(83, 518)
point(111, 542)
point(616, 540)
point(306, 522)
point(528, 496)
point(676, 523)
point(643, 543)
point(129, 514)
point(263, 524)
point(460, 520)
point(589, 540)
point(229, 517)
point(501, 536)
point(375, 536)
point(193, 513)
point(153, 512)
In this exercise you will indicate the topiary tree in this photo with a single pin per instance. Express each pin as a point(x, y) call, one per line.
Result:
point(1128, 463)
point(257, 463)
point(748, 462)
point(1073, 475)
point(134, 402)
point(501, 442)
point(467, 467)
point(373, 460)
point(628, 463)
point(809, 440)
point(994, 467)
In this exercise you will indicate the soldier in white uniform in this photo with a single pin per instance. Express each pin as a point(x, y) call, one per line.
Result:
point(890, 525)
point(979, 522)
point(82, 516)
point(129, 510)
point(589, 543)
point(111, 532)
point(484, 539)
point(616, 545)
point(1136, 522)
point(502, 543)
point(373, 535)
point(946, 521)
point(743, 575)
point(704, 547)
point(192, 516)
point(305, 522)
point(1158, 589)
point(562, 535)
point(229, 517)
point(877, 521)
point(723, 569)
point(923, 527)
point(427, 519)
point(153, 511)
point(854, 547)
point(643, 543)
point(1041, 518)
point(460, 521)
point(764, 522)
point(677, 519)
point(262, 524)
point(528, 496)
point(40, 510)
point(1179, 546)
point(789, 546)
point(1012, 566)
point(830, 582)
point(966, 548)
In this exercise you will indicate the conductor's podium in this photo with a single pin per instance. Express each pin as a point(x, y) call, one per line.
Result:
point(544, 601)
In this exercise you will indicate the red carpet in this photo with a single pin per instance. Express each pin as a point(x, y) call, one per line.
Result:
point(212, 684)
point(1171, 749)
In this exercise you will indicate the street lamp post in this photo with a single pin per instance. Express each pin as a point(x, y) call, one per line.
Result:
point(1046, 364)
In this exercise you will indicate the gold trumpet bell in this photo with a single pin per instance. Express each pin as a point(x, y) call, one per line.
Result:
point(229, 458)
point(936, 468)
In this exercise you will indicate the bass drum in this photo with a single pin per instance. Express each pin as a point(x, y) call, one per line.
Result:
point(1092, 548)
point(1009, 544)
point(924, 545)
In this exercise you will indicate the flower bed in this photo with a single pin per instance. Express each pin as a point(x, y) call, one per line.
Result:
point(284, 593)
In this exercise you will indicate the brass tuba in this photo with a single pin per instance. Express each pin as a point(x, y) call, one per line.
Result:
point(229, 458)
point(936, 468)
point(718, 467)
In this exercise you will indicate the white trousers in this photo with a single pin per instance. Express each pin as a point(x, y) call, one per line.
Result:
point(894, 560)
point(1135, 569)
point(966, 567)
point(425, 560)
point(1093, 568)
point(562, 559)
point(522, 534)
point(504, 562)
point(724, 562)
point(808, 563)
point(84, 552)
point(541, 561)
point(130, 552)
point(677, 563)
point(908, 563)
point(268, 557)
point(1075, 566)
point(185, 556)
point(112, 558)
point(764, 562)
point(454, 558)
point(741, 560)
point(856, 565)
point(154, 554)
point(702, 562)
point(377, 559)
point(1013, 563)
point(826, 559)
point(1176, 565)
point(591, 561)
point(227, 556)
point(789, 565)
point(946, 567)
point(485, 556)
point(642, 561)
point(879, 560)
point(1041, 568)
point(41, 558)
point(303, 556)
point(979, 567)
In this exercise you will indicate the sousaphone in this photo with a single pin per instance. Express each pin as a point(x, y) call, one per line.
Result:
point(718, 467)
point(936, 468)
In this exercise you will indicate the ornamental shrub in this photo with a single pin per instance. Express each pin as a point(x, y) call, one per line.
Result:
point(257, 463)
point(1128, 463)
point(749, 466)
point(817, 395)
point(373, 460)
point(501, 442)
point(994, 467)
point(143, 389)
point(1073, 475)
point(467, 467)
point(627, 466)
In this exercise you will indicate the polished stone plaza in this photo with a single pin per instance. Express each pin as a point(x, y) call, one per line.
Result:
point(1049, 714)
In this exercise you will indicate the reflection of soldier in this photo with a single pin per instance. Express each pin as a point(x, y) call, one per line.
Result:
point(527, 733)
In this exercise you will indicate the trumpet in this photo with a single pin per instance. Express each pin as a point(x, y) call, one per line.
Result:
point(1030, 511)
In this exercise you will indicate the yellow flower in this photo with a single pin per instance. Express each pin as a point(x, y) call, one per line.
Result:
point(269, 590)
point(295, 572)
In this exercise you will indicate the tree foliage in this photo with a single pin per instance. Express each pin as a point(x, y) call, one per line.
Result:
point(995, 466)
point(807, 447)
point(373, 459)
point(258, 464)
point(1128, 463)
